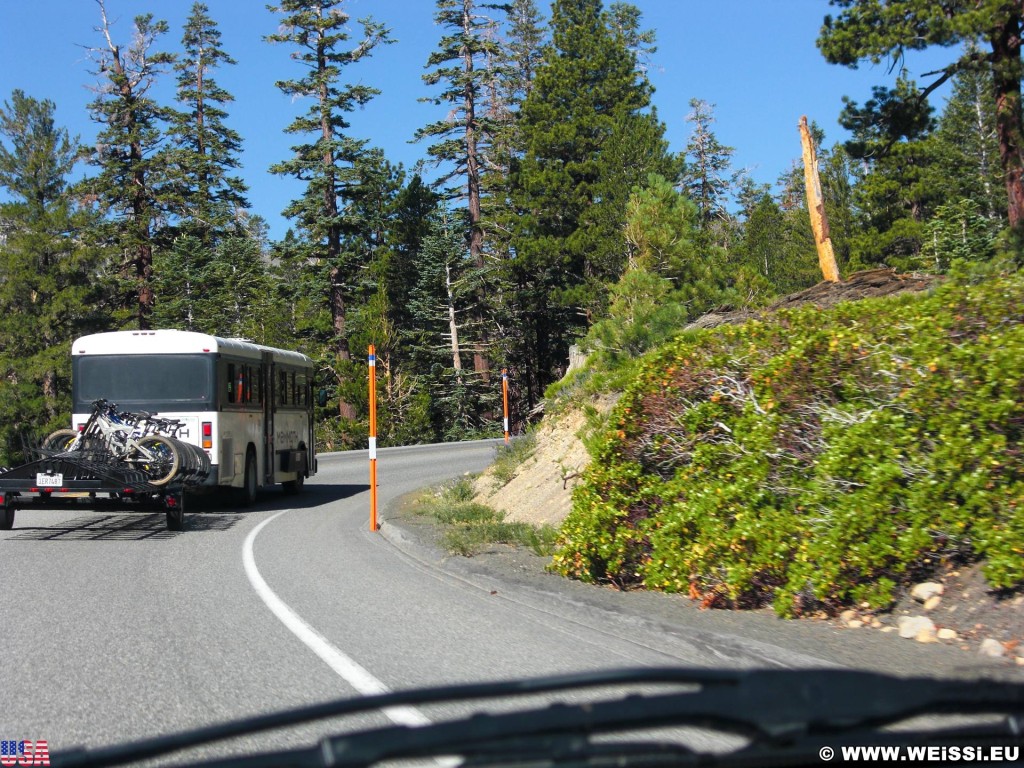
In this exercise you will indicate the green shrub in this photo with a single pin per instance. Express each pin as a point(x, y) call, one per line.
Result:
point(510, 457)
point(469, 527)
point(817, 459)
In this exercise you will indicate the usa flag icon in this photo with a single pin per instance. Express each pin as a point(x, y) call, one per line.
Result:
point(24, 752)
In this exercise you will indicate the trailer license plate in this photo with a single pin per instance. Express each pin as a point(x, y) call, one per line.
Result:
point(44, 480)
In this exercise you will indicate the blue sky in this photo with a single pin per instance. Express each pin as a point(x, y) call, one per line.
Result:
point(755, 60)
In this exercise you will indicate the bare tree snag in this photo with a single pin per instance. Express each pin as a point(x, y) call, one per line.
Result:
point(816, 206)
point(453, 326)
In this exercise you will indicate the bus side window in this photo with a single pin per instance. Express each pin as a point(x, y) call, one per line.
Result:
point(258, 388)
point(283, 388)
point(248, 384)
point(231, 382)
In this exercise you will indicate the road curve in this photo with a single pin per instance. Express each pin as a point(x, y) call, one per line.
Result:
point(115, 629)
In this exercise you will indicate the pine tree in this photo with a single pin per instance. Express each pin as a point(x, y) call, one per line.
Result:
point(462, 66)
point(303, 288)
point(663, 235)
point(238, 300)
point(518, 59)
point(968, 146)
point(878, 29)
point(180, 274)
point(204, 151)
point(132, 172)
point(707, 178)
point(366, 247)
point(958, 231)
point(224, 289)
point(318, 28)
point(590, 137)
point(892, 139)
point(51, 286)
point(459, 400)
point(412, 222)
point(779, 246)
point(520, 56)
point(624, 19)
point(523, 51)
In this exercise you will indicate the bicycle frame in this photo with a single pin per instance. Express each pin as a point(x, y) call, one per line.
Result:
point(120, 437)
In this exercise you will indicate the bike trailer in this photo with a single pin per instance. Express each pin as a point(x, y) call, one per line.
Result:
point(81, 478)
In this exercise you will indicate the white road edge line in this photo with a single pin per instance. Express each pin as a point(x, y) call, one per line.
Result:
point(344, 666)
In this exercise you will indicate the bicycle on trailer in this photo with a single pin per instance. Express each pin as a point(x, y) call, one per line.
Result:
point(194, 463)
point(107, 434)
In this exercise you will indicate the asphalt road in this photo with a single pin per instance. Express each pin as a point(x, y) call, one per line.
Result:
point(116, 629)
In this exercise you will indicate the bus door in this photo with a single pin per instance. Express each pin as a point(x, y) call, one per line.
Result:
point(270, 395)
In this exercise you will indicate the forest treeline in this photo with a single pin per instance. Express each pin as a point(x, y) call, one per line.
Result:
point(559, 214)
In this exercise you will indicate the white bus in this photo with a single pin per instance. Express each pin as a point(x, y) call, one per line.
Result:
point(249, 407)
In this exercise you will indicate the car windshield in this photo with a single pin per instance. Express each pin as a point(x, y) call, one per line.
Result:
point(597, 382)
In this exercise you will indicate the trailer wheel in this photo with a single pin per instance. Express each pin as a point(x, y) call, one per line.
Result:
point(6, 517)
point(175, 512)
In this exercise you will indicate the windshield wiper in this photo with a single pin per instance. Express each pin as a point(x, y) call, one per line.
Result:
point(786, 711)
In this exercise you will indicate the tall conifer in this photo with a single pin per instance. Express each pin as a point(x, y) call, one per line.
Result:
point(51, 289)
point(319, 31)
point(462, 66)
point(204, 152)
point(590, 136)
point(880, 29)
point(132, 172)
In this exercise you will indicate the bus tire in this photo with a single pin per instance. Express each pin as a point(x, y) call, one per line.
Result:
point(293, 487)
point(249, 480)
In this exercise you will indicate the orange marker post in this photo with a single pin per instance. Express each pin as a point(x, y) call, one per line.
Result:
point(373, 438)
point(504, 398)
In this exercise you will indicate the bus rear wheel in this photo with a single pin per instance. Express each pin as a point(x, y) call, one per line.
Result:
point(294, 486)
point(249, 480)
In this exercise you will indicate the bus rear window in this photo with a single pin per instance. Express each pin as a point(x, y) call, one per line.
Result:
point(145, 382)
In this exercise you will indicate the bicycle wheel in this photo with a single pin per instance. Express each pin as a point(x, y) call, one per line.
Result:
point(186, 459)
point(60, 440)
point(161, 465)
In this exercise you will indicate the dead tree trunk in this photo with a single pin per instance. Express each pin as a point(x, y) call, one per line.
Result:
point(816, 206)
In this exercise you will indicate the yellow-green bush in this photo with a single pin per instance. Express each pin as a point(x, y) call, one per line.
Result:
point(816, 459)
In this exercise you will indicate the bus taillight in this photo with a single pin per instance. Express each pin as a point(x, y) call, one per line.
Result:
point(207, 435)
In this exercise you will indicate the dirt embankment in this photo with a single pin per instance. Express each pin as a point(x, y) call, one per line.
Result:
point(541, 491)
point(870, 284)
